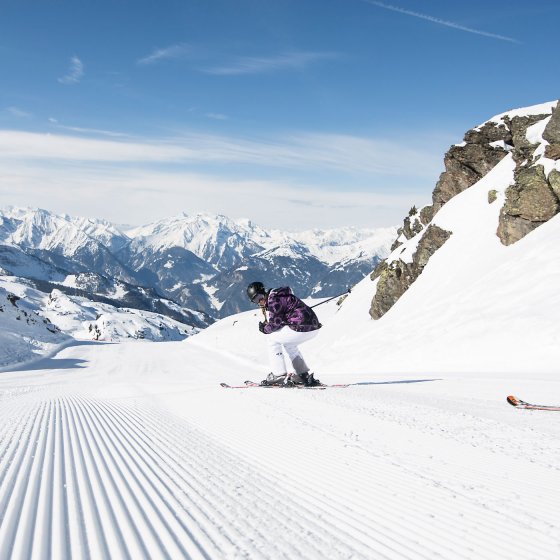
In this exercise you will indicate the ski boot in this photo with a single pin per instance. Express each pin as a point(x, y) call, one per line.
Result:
point(308, 379)
point(272, 379)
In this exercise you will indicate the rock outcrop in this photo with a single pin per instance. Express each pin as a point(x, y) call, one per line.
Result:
point(397, 276)
point(530, 202)
point(532, 199)
point(465, 164)
point(552, 131)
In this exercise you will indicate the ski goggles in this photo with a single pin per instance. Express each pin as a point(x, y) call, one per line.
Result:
point(257, 298)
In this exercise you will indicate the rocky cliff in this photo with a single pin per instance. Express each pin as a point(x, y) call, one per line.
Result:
point(534, 197)
point(531, 137)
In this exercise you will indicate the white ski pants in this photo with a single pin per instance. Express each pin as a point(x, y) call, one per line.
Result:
point(286, 341)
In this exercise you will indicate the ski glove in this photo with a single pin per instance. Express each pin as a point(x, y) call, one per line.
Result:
point(261, 326)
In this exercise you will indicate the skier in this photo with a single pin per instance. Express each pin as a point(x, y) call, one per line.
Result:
point(290, 323)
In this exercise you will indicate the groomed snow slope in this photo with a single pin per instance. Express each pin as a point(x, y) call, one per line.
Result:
point(132, 450)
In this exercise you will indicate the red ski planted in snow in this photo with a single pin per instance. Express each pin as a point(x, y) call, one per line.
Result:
point(518, 403)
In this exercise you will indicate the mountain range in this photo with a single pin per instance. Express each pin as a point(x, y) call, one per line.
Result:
point(194, 269)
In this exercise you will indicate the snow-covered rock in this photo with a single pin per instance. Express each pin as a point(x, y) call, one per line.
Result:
point(86, 319)
point(33, 323)
point(522, 185)
point(25, 334)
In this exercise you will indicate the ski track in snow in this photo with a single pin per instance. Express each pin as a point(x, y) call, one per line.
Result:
point(90, 478)
point(358, 473)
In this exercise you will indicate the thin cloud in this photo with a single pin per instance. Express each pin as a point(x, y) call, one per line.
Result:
point(296, 60)
point(216, 116)
point(440, 21)
point(175, 51)
point(342, 153)
point(75, 72)
point(83, 130)
point(139, 196)
point(17, 112)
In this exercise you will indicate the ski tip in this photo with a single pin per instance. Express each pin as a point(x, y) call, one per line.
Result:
point(225, 385)
point(514, 401)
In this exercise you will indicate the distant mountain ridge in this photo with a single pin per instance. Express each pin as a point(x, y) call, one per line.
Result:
point(224, 242)
point(201, 262)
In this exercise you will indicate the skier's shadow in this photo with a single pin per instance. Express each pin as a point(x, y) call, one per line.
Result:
point(400, 381)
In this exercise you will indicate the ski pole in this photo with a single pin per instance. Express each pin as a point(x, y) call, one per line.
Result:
point(334, 297)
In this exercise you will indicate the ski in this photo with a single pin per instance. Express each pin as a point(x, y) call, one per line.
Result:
point(339, 385)
point(252, 385)
point(518, 403)
point(258, 386)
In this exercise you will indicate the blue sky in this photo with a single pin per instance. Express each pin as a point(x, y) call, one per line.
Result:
point(294, 113)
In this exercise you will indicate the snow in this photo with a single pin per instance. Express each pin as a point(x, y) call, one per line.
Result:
point(120, 291)
point(70, 281)
point(535, 132)
point(24, 334)
point(211, 290)
point(78, 319)
point(539, 109)
point(37, 228)
point(501, 144)
point(199, 232)
point(113, 325)
point(335, 245)
point(535, 136)
point(131, 449)
point(109, 450)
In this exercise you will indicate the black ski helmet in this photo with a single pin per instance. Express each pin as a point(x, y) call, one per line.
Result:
point(254, 289)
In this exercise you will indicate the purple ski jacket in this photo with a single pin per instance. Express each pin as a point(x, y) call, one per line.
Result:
point(286, 309)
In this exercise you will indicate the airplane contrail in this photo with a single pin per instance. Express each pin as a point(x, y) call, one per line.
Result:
point(440, 21)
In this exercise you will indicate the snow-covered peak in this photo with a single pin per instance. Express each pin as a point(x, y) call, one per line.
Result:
point(185, 223)
point(216, 239)
point(335, 245)
point(288, 249)
point(103, 231)
point(205, 234)
point(183, 230)
point(40, 229)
